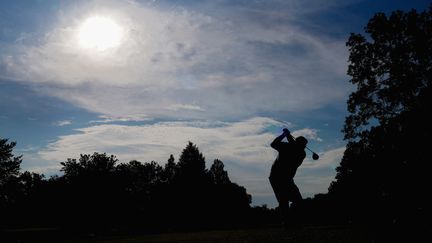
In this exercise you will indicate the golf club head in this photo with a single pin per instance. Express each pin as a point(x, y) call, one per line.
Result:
point(315, 156)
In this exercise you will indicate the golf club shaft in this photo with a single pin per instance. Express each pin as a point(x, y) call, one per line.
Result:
point(309, 149)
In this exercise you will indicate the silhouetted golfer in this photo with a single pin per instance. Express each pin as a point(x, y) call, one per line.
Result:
point(291, 156)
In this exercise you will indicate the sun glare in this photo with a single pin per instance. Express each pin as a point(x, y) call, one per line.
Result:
point(99, 33)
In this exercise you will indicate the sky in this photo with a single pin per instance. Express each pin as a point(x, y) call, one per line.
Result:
point(139, 79)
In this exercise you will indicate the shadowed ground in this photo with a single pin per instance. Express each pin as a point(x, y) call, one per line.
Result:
point(268, 235)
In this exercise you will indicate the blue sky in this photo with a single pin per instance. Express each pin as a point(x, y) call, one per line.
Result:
point(226, 75)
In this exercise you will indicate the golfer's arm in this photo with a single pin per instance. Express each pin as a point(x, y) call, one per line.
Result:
point(277, 141)
point(290, 138)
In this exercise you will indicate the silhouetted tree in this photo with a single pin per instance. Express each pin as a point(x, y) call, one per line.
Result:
point(96, 164)
point(390, 67)
point(90, 190)
point(137, 177)
point(9, 172)
point(9, 164)
point(96, 194)
point(170, 169)
point(18, 191)
point(382, 175)
point(218, 174)
point(191, 165)
point(30, 181)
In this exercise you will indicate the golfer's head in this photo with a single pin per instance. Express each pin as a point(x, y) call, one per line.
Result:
point(301, 141)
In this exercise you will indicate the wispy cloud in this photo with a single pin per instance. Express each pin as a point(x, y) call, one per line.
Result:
point(209, 66)
point(243, 146)
point(308, 133)
point(178, 107)
point(128, 118)
point(239, 141)
point(62, 123)
point(213, 67)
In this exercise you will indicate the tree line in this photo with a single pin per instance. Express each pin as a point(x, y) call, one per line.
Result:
point(96, 192)
point(382, 178)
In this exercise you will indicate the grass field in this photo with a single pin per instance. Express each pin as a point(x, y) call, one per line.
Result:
point(266, 235)
point(269, 235)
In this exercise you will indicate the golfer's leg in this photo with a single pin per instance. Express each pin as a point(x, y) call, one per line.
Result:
point(296, 196)
point(296, 206)
point(281, 194)
point(276, 189)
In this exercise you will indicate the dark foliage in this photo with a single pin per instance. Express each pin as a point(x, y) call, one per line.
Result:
point(10, 188)
point(391, 68)
point(98, 194)
point(382, 177)
point(9, 165)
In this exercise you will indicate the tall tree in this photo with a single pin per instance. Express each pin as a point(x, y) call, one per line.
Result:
point(390, 68)
point(9, 172)
point(218, 174)
point(191, 164)
point(9, 164)
point(383, 170)
point(170, 169)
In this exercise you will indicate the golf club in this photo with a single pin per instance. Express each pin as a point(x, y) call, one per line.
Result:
point(315, 156)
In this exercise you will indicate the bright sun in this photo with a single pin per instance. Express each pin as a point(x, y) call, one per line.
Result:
point(99, 33)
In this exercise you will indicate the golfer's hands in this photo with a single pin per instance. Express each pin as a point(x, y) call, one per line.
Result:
point(286, 132)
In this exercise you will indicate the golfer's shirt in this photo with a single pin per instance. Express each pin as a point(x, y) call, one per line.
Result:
point(290, 157)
